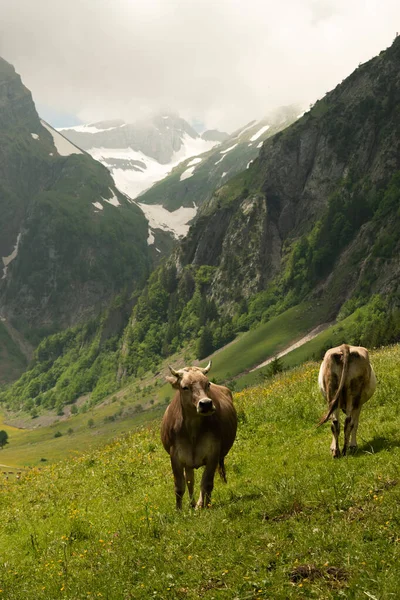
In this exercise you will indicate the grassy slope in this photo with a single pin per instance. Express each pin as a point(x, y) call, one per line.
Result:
point(103, 525)
point(264, 341)
point(29, 447)
point(339, 333)
point(315, 348)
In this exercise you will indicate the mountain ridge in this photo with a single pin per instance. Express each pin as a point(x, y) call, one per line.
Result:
point(69, 240)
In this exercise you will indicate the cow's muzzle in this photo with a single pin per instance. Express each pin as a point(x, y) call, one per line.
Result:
point(205, 407)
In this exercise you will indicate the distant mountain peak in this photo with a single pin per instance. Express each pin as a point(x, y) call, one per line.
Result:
point(141, 152)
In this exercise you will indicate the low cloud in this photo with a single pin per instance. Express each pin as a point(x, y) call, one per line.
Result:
point(223, 62)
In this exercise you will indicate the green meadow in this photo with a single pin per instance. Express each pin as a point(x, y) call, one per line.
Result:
point(65, 438)
point(290, 523)
point(35, 443)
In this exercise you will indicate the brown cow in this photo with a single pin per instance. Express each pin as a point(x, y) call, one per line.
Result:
point(347, 381)
point(198, 429)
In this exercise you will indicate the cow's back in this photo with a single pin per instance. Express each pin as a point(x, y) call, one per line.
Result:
point(360, 377)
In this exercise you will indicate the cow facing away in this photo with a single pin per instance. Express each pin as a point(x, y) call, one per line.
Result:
point(347, 381)
point(198, 429)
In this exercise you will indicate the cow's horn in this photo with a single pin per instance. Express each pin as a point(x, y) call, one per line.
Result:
point(207, 368)
point(176, 373)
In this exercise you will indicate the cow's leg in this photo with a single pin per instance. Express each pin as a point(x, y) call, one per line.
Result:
point(335, 428)
point(353, 439)
point(329, 386)
point(352, 414)
point(189, 476)
point(350, 429)
point(207, 484)
point(179, 480)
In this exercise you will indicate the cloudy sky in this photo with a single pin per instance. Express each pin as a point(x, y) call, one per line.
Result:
point(221, 62)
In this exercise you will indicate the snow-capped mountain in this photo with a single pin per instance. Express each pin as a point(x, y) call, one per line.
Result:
point(139, 154)
point(168, 167)
point(193, 181)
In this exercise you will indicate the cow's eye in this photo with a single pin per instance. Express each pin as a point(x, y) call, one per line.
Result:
point(208, 384)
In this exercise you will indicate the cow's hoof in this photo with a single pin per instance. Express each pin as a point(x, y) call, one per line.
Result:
point(335, 453)
point(353, 449)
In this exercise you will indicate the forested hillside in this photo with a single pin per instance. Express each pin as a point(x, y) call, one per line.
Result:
point(69, 241)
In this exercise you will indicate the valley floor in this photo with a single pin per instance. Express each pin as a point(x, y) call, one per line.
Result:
point(291, 522)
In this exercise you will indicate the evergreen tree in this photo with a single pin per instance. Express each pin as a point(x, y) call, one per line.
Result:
point(3, 438)
point(205, 343)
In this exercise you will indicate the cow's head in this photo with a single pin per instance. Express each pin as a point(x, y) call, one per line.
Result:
point(193, 385)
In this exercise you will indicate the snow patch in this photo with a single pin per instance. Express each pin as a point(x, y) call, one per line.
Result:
point(176, 222)
point(249, 126)
point(113, 200)
point(150, 238)
point(220, 160)
point(192, 147)
point(35, 136)
point(64, 147)
point(134, 182)
point(228, 149)
point(249, 163)
point(259, 132)
point(260, 144)
point(89, 128)
point(250, 145)
point(223, 174)
point(299, 116)
point(98, 205)
point(195, 161)
point(186, 174)
point(7, 259)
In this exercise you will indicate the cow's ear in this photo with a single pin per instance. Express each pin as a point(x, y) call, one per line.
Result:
point(174, 381)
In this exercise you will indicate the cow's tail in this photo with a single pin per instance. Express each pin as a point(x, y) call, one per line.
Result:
point(333, 403)
point(221, 470)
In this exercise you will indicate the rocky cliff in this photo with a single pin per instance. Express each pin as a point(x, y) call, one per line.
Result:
point(308, 208)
